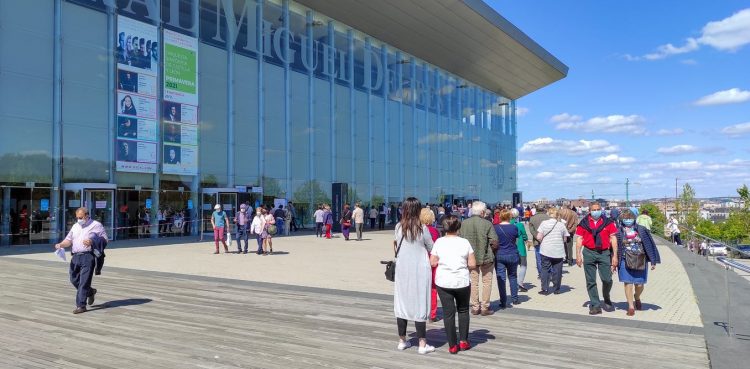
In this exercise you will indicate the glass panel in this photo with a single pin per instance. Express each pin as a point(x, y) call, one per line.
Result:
point(207, 208)
point(273, 120)
point(176, 205)
point(40, 220)
point(246, 121)
point(213, 116)
point(100, 205)
point(20, 215)
point(85, 106)
point(73, 201)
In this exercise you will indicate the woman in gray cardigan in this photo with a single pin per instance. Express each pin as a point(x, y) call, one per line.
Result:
point(636, 244)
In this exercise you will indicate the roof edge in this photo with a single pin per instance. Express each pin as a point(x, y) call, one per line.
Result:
point(492, 16)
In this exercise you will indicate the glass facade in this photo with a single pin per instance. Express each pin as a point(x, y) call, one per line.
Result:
point(291, 102)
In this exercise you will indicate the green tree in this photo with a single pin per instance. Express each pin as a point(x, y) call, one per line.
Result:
point(687, 207)
point(377, 200)
point(656, 216)
point(710, 229)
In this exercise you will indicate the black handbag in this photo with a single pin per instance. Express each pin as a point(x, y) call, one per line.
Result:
point(635, 255)
point(390, 266)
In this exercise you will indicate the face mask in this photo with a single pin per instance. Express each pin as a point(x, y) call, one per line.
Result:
point(81, 221)
point(242, 210)
point(628, 222)
point(596, 214)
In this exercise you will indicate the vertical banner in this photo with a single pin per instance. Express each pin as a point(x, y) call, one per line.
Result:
point(180, 108)
point(137, 139)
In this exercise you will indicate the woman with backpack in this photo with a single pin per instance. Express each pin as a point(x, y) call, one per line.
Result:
point(636, 251)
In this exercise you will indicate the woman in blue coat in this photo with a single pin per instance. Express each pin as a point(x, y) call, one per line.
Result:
point(636, 250)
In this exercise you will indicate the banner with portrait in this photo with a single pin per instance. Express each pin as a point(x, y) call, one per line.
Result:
point(137, 56)
point(180, 107)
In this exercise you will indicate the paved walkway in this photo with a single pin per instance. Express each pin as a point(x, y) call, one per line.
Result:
point(354, 266)
point(149, 319)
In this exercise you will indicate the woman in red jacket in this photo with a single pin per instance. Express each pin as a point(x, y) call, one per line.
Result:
point(427, 217)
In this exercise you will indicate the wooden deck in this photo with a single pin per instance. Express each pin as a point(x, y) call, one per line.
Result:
point(159, 320)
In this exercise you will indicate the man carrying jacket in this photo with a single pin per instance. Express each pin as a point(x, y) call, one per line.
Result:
point(483, 239)
point(596, 249)
point(83, 262)
point(570, 218)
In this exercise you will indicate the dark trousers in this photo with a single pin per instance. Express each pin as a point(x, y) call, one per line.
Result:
point(372, 223)
point(421, 328)
point(506, 270)
point(242, 232)
point(359, 227)
point(381, 221)
point(677, 239)
point(569, 254)
point(293, 225)
point(260, 244)
point(551, 270)
point(319, 229)
point(455, 300)
point(593, 260)
point(81, 274)
point(538, 257)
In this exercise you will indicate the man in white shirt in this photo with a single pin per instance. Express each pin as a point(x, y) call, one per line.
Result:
point(81, 238)
point(358, 215)
point(674, 227)
point(318, 215)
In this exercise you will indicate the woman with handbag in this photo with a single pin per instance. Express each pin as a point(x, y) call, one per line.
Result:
point(636, 251)
point(412, 243)
point(346, 221)
point(551, 234)
point(507, 258)
point(267, 234)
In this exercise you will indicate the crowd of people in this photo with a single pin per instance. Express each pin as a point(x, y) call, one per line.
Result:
point(445, 254)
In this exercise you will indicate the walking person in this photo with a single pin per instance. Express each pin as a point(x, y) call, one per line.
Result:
point(373, 216)
point(256, 228)
point(596, 250)
point(534, 222)
point(279, 216)
point(346, 221)
point(81, 238)
point(428, 218)
point(327, 220)
point(242, 220)
point(483, 240)
point(636, 251)
point(570, 218)
point(266, 234)
point(412, 244)
point(644, 220)
point(674, 228)
point(506, 259)
point(358, 215)
point(453, 257)
point(318, 215)
point(293, 211)
point(219, 220)
point(287, 221)
point(523, 238)
point(552, 234)
point(381, 217)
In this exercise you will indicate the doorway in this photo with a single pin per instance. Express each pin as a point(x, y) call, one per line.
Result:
point(98, 198)
point(25, 215)
point(226, 197)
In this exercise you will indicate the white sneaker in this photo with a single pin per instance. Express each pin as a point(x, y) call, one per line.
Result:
point(404, 345)
point(426, 349)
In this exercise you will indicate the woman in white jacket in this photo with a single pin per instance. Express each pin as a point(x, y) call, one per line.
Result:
point(256, 228)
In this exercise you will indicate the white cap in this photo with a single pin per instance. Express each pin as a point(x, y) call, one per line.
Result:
point(217, 206)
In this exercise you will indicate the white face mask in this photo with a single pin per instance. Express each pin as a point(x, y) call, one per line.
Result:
point(81, 222)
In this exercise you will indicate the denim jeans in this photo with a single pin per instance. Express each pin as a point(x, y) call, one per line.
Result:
point(506, 269)
point(538, 261)
point(552, 272)
point(242, 232)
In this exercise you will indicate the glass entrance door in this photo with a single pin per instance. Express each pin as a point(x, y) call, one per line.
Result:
point(101, 208)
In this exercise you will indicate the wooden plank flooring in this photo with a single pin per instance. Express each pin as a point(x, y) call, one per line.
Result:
point(157, 320)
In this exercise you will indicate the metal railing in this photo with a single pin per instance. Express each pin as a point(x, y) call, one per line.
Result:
point(726, 262)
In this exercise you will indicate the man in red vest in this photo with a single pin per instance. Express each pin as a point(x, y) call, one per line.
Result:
point(596, 248)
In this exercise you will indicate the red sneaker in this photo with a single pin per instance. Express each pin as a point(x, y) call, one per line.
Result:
point(464, 345)
point(453, 350)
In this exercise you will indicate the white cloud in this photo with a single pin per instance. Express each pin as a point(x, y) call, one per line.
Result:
point(544, 175)
point(646, 175)
point(577, 175)
point(729, 34)
point(681, 165)
point(614, 159)
point(439, 137)
point(689, 62)
point(521, 111)
point(565, 117)
point(580, 147)
point(678, 149)
point(670, 132)
point(630, 124)
point(737, 129)
point(731, 96)
point(529, 163)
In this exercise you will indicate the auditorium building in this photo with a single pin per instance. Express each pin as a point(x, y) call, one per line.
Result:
point(129, 107)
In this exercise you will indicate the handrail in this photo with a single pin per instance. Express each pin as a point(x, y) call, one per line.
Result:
point(734, 248)
point(733, 264)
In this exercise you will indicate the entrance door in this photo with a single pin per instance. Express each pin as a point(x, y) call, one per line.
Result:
point(211, 197)
point(101, 208)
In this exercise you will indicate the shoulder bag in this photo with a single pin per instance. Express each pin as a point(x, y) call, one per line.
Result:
point(390, 266)
point(635, 255)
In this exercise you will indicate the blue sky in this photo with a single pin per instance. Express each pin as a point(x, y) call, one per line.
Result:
point(657, 90)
